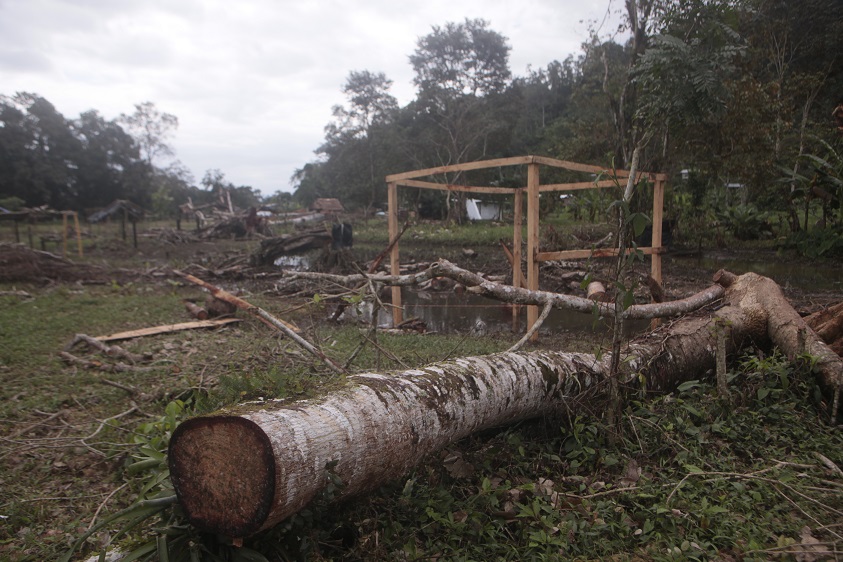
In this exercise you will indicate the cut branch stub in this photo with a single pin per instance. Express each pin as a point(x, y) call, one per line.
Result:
point(240, 486)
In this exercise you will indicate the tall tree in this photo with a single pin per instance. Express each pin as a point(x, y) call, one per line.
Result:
point(355, 141)
point(44, 151)
point(460, 71)
point(151, 128)
point(109, 165)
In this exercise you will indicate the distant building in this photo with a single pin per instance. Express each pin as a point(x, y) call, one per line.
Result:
point(327, 206)
point(478, 210)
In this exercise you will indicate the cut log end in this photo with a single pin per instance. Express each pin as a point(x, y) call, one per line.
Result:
point(223, 471)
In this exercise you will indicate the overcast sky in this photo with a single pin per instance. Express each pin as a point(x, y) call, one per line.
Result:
point(252, 82)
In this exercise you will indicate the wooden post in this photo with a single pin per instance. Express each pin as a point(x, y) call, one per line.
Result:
point(656, 242)
point(78, 233)
point(517, 274)
point(64, 235)
point(17, 232)
point(123, 223)
point(532, 241)
point(394, 263)
point(135, 233)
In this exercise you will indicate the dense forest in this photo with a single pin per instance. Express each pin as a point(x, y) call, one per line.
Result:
point(716, 93)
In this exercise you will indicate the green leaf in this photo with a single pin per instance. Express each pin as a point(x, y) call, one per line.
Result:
point(689, 385)
point(693, 468)
point(628, 299)
point(639, 223)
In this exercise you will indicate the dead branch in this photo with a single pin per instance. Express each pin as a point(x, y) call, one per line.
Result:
point(109, 350)
point(479, 285)
point(287, 329)
point(533, 329)
point(71, 359)
point(507, 293)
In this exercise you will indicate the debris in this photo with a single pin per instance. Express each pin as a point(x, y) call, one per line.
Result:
point(284, 327)
point(20, 294)
point(273, 248)
point(195, 310)
point(167, 328)
point(110, 350)
point(20, 263)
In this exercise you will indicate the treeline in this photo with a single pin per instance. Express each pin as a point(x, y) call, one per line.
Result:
point(728, 91)
point(86, 163)
point(712, 92)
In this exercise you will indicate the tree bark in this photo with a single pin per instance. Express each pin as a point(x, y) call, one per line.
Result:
point(249, 467)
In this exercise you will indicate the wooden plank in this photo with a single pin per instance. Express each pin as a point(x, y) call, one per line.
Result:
point(394, 256)
point(515, 161)
point(167, 328)
point(478, 165)
point(452, 187)
point(596, 253)
point(575, 166)
point(577, 185)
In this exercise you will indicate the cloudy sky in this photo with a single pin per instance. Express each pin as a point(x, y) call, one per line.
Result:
point(252, 82)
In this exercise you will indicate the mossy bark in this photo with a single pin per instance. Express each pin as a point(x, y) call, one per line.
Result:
point(248, 468)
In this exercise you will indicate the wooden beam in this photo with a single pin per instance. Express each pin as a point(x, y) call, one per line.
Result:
point(656, 242)
point(577, 185)
point(452, 187)
point(574, 166)
point(517, 273)
point(596, 253)
point(394, 256)
point(532, 241)
point(577, 167)
point(479, 165)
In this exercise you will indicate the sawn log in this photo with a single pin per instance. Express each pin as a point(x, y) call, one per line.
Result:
point(249, 467)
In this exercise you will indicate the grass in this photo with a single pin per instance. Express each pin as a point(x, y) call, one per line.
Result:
point(70, 440)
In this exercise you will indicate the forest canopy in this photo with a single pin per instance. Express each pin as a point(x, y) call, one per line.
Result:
point(713, 92)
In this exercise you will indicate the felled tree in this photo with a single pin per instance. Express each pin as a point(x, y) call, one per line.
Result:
point(247, 468)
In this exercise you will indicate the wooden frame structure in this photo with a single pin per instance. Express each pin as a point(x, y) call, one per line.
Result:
point(532, 190)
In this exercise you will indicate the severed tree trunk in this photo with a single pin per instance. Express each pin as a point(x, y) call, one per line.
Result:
point(247, 468)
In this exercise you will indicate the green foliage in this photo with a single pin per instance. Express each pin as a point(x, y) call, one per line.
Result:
point(12, 203)
point(746, 222)
point(826, 243)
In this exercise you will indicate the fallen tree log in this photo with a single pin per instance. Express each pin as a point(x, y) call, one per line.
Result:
point(273, 248)
point(249, 467)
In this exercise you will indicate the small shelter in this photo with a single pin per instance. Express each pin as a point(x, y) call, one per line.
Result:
point(126, 210)
point(532, 190)
point(327, 206)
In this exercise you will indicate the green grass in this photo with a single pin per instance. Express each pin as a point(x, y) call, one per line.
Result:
point(52, 481)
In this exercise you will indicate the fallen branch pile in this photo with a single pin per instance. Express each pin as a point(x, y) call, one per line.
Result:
point(273, 248)
point(21, 263)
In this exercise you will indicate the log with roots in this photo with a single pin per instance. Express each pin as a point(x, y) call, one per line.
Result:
point(246, 469)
